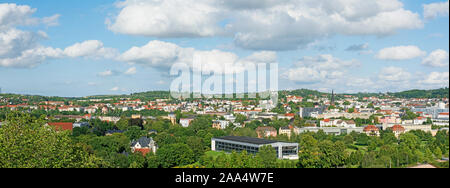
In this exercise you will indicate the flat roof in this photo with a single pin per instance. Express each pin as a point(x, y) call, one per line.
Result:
point(250, 140)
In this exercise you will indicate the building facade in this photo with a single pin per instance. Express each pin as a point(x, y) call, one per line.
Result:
point(228, 144)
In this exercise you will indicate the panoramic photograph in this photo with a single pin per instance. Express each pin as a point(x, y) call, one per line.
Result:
point(224, 84)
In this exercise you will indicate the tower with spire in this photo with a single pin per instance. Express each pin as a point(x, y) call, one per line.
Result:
point(332, 98)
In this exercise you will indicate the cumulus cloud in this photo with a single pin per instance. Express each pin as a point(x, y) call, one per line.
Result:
point(399, 53)
point(434, 10)
point(437, 79)
point(263, 24)
point(90, 48)
point(163, 55)
point(19, 48)
point(394, 74)
point(174, 18)
point(437, 58)
point(323, 68)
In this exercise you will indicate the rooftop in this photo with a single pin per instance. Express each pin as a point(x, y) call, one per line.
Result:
point(248, 140)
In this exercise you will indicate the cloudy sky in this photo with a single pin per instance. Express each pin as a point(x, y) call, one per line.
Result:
point(79, 48)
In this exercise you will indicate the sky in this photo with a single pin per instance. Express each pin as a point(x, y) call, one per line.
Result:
point(78, 48)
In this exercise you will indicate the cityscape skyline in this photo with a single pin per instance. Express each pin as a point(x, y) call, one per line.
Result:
point(70, 49)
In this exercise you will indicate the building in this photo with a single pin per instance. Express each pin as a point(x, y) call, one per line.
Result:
point(308, 112)
point(329, 130)
point(294, 99)
point(185, 122)
point(264, 132)
point(220, 124)
point(372, 130)
point(398, 130)
point(346, 123)
point(411, 127)
point(420, 120)
point(61, 126)
point(284, 150)
point(144, 145)
point(326, 123)
point(172, 118)
point(285, 131)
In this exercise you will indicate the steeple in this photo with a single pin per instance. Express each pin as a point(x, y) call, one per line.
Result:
point(332, 98)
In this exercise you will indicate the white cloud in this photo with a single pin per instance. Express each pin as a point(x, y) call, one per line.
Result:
point(434, 10)
point(174, 18)
point(52, 20)
point(320, 69)
point(115, 89)
point(263, 24)
point(437, 58)
point(394, 74)
point(19, 48)
point(399, 53)
point(163, 55)
point(12, 15)
point(131, 71)
point(437, 78)
point(106, 73)
point(90, 48)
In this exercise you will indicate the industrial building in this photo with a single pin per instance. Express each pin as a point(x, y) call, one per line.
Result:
point(284, 150)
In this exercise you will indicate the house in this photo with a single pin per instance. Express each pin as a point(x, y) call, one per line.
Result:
point(285, 131)
point(326, 123)
point(287, 116)
point(346, 123)
point(220, 124)
point(266, 132)
point(109, 119)
point(61, 126)
point(172, 118)
point(444, 115)
point(90, 110)
point(420, 120)
point(185, 122)
point(294, 99)
point(398, 130)
point(389, 120)
point(372, 130)
point(144, 145)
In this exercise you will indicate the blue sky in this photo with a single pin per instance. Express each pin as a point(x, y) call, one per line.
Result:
point(402, 44)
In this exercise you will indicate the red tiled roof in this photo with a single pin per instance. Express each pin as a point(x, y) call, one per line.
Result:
point(398, 128)
point(371, 128)
point(144, 151)
point(62, 126)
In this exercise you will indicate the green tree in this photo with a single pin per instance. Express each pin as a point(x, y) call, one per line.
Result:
point(26, 143)
point(268, 156)
point(175, 155)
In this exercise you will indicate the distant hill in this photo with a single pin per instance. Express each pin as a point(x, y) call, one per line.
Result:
point(435, 93)
point(151, 95)
point(301, 92)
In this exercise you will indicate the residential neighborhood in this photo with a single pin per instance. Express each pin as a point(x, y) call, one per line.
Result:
point(145, 122)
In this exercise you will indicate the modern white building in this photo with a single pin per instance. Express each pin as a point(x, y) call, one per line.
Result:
point(284, 150)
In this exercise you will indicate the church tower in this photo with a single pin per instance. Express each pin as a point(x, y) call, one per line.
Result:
point(332, 98)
